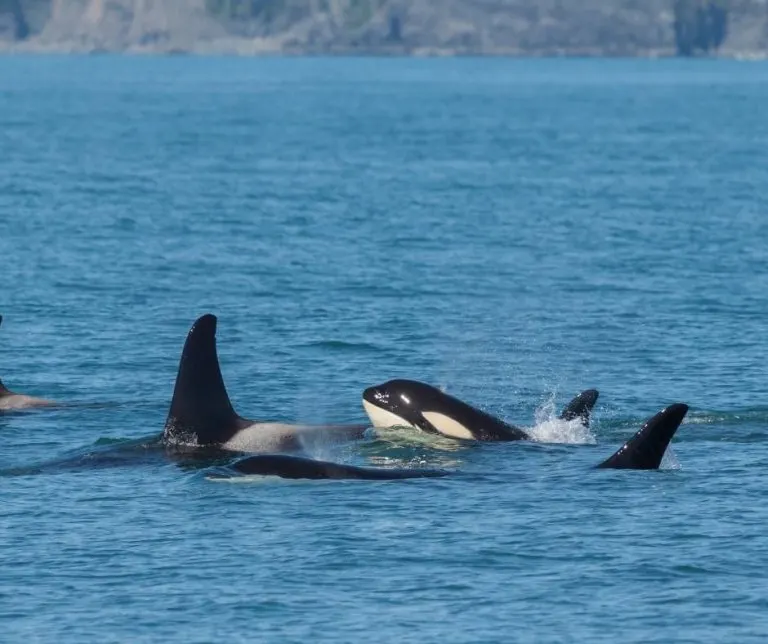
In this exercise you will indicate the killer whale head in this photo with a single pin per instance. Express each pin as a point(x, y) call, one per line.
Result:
point(646, 448)
point(411, 403)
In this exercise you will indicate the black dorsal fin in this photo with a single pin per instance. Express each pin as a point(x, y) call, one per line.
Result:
point(200, 411)
point(645, 449)
point(581, 406)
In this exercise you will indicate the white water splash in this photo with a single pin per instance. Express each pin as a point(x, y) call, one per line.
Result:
point(550, 428)
point(669, 460)
point(237, 479)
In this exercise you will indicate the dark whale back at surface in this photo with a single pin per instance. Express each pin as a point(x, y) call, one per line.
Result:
point(297, 467)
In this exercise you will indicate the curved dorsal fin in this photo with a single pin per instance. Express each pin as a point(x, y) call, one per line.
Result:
point(201, 411)
point(645, 449)
point(581, 406)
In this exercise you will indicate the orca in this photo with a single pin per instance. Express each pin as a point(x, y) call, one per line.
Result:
point(10, 401)
point(297, 467)
point(644, 451)
point(411, 403)
point(201, 414)
point(646, 448)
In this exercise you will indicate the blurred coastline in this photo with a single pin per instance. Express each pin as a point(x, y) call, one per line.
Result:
point(615, 28)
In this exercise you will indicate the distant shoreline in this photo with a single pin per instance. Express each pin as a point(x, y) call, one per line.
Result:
point(27, 48)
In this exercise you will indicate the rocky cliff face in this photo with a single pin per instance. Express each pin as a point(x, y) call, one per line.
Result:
point(526, 27)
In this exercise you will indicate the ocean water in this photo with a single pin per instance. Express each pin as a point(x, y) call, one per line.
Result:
point(511, 230)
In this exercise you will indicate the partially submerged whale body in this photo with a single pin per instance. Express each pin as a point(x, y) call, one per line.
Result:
point(297, 467)
point(10, 401)
point(411, 403)
point(646, 448)
point(416, 404)
point(644, 451)
point(201, 414)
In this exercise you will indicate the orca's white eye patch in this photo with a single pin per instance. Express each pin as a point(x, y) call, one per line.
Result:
point(380, 417)
point(446, 425)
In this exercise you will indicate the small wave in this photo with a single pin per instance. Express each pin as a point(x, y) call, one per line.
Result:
point(341, 345)
point(753, 416)
point(702, 417)
point(228, 477)
point(106, 440)
point(410, 437)
point(415, 462)
point(21, 471)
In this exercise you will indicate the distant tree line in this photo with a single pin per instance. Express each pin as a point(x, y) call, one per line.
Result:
point(356, 12)
point(21, 27)
point(700, 25)
point(243, 9)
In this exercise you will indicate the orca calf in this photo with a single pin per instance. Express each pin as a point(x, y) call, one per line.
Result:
point(646, 448)
point(10, 401)
point(296, 467)
point(411, 403)
point(201, 414)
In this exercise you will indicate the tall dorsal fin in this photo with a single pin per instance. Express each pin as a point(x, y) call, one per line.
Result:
point(200, 410)
point(645, 449)
point(581, 406)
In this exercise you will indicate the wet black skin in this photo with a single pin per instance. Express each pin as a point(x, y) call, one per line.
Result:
point(201, 412)
point(297, 467)
point(646, 448)
point(200, 420)
point(409, 398)
point(644, 451)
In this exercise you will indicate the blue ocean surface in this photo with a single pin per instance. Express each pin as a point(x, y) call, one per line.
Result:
point(513, 231)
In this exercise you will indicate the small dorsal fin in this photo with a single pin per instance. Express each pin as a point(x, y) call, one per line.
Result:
point(581, 406)
point(645, 449)
point(201, 411)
